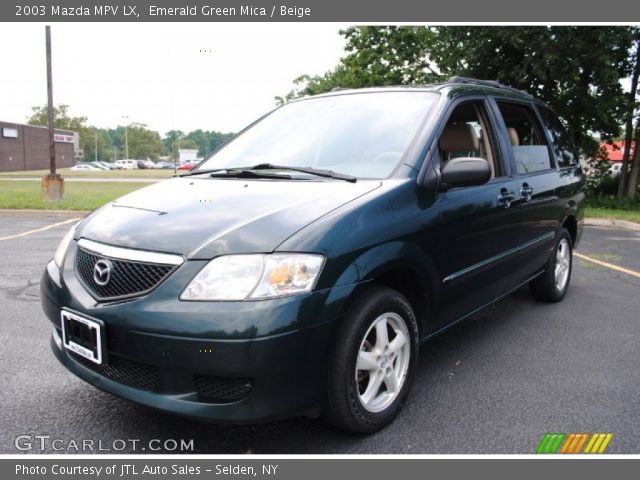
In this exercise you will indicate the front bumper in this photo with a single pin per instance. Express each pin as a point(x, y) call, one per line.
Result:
point(222, 361)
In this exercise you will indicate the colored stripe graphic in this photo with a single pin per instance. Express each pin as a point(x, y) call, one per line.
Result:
point(598, 443)
point(570, 443)
point(573, 443)
point(550, 443)
point(580, 443)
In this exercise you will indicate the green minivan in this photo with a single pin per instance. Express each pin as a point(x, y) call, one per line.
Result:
point(298, 269)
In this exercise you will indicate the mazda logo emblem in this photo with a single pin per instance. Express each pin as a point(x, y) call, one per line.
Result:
point(102, 272)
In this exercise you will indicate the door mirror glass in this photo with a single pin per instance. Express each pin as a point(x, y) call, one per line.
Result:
point(465, 172)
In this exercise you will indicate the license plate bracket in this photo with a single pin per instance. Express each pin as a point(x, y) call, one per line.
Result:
point(83, 336)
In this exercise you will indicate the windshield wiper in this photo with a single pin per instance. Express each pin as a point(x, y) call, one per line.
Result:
point(199, 172)
point(244, 173)
point(250, 172)
point(240, 172)
point(311, 171)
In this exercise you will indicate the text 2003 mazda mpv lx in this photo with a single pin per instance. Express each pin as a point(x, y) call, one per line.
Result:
point(298, 269)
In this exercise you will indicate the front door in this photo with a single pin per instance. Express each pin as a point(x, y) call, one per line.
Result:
point(479, 227)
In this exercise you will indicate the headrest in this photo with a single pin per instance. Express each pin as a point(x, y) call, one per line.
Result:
point(459, 138)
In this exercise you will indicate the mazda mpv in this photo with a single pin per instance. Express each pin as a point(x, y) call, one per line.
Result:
point(298, 269)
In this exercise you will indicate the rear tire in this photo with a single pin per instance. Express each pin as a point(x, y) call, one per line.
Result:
point(373, 362)
point(553, 283)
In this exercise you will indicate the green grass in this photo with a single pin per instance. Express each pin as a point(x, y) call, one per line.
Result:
point(27, 194)
point(629, 215)
point(115, 174)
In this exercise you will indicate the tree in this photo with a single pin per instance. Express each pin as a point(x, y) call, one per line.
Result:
point(628, 181)
point(143, 142)
point(205, 141)
point(61, 120)
point(171, 142)
point(188, 144)
point(576, 70)
point(632, 186)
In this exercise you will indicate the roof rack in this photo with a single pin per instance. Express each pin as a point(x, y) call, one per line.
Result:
point(487, 83)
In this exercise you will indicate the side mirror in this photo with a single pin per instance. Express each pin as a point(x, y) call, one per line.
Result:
point(465, 172)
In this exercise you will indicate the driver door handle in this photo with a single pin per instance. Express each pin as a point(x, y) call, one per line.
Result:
point(506, 197)
point(526, 191)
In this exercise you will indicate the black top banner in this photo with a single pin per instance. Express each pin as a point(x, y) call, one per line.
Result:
point(409, 11)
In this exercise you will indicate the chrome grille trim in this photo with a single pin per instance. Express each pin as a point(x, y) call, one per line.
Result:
point(130, 254)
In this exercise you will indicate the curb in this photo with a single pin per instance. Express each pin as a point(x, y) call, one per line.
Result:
point(611, 222)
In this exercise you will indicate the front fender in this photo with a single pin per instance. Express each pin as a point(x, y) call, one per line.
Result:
point(398, 256)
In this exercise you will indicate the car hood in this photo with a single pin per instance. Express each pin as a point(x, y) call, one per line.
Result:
point(202, 218)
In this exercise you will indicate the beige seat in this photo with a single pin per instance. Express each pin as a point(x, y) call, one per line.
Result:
point(513, 136)
point(459, 138)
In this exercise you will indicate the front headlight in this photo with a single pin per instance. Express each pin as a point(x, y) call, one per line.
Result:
point(253, 277)
point(58, 257)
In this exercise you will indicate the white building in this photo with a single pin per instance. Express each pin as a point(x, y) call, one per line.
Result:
point(187, 154)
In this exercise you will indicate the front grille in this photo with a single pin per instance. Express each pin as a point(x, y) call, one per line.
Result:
point(121, 370)
point(128, 278)
point(222, 389)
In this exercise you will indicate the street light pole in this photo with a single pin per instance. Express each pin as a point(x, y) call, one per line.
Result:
point(126, 137)
point(95, 158)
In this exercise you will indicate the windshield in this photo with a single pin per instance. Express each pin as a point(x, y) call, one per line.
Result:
point(363, 135)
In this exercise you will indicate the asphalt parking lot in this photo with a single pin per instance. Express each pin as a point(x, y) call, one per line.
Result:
point(493, 384)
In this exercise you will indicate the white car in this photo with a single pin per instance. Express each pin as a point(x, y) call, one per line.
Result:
point(127, 164)
point(85, 167)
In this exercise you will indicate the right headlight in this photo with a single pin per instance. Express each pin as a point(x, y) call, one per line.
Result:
point(255, 276)
point(58, 257)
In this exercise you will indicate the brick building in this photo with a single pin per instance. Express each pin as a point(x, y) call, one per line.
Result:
point(26, 147)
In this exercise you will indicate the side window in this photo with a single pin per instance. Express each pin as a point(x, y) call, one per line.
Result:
point(467, 135)
point(530, 148)
point(562, 144)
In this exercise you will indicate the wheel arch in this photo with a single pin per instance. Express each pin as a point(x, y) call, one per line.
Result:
point(571, 225)
point(413, 275)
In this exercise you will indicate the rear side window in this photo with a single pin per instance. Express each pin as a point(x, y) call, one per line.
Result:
point(562, 144)
point(530, 148)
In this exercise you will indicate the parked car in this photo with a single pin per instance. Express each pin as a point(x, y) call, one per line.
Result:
point(165, 166)
point(301, 276)
point(186, 166)
point(106, 165)
point(86, 166)
point(127, 164)
point(94, 165)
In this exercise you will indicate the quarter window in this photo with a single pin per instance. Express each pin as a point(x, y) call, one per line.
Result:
point(530, 149)
point(562, 144)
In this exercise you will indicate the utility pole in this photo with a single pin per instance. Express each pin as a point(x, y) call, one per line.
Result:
point(95, 138)
point(52, 184)
point(126, 137)
point(52, 143)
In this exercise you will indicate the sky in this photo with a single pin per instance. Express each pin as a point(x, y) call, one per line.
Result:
point(209, 76)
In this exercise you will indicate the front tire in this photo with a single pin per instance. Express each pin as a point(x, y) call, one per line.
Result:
point(553, 283)
point(373, 362)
